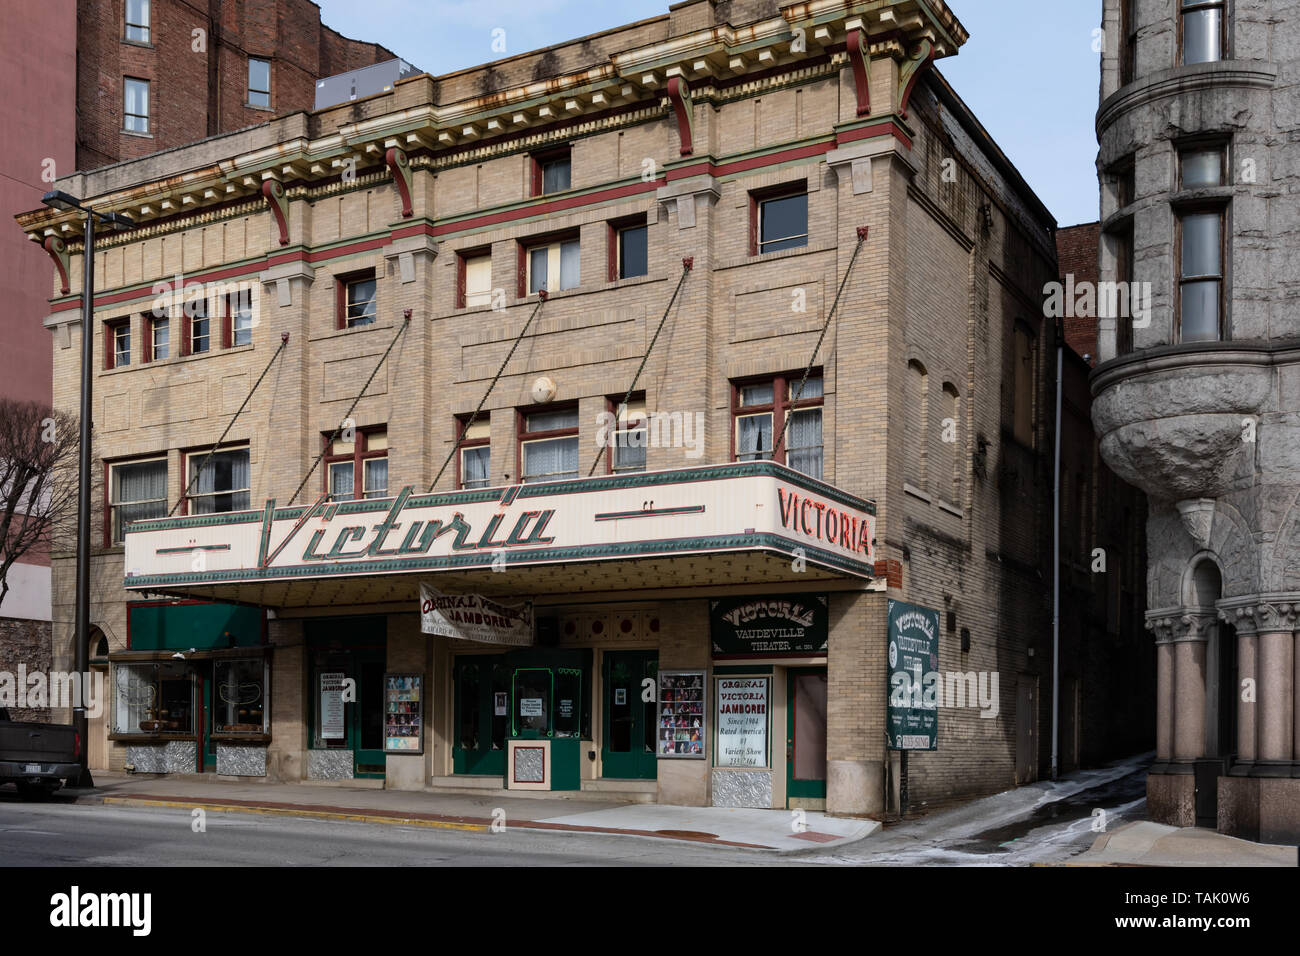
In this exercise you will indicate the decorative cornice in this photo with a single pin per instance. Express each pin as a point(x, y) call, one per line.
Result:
point(397, 163)
point(1181, 80)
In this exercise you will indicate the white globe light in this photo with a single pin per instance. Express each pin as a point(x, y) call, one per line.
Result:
point(543, 390)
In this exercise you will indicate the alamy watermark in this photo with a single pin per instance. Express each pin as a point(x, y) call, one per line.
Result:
point(53, 689)
point(1091, 300)
point(652, 430)
point(933, 690)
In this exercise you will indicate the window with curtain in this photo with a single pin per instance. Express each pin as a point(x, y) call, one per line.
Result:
point(135, 105)
point(554, 266)
point(553, 172)
point(1203, 31)
point(763, 411)
point(475, 454)
point(477, 285)
point(357, 468)
point(1200, 285)
point(220, 483)
point(549, 445)
point(159, 338)
point(240, 307)
point(137, 20)
point(137, 491)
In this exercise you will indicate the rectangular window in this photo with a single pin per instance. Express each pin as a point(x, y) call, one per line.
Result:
point(1200, 283)
point(552, 171)
point(476, 454)
point(239, 696)
point(135, 105)
point(1124, 177)
point(159, 344)
point(239, 319)
point(779, 221)
point(154, 698)
point(765, 411)
point(1201, 168)
point(1203, 31)
point(633, 251)
point(217, 483)
point(117, 344)
point(554, 266)
point(1128, 41)
point(200, 331)
point(259, 82)
point(475, 279)
point(137, 491)
point(630, 437)
point(137, 20)
point(357, 300)
point(1122, 243)
point(548, 445)
point(359, 468)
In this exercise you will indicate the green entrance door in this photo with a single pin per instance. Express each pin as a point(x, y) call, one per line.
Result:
point(368, 714)
point(482, 702)
point(209, 748)
point(805, 748)
point(627, 749)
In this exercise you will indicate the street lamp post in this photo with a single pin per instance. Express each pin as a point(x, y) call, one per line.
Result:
point(81, 637)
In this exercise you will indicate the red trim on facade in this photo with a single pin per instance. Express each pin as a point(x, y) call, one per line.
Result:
point(857, 49)
point(679, 94)
point(273, 192)
point(397, 164)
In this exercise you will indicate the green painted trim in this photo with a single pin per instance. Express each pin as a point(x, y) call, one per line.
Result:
point(575, 486)
point(483, 559)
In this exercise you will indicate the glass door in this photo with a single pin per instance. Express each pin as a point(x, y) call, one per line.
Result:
point(368, 714)
point(627, 749)
point(482, 703)
point(805, 752)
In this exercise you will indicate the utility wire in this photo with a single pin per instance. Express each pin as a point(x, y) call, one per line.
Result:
point(355, 402)
point(284, 341)
point(862, 238)
point(541, 300)
point(688, 263)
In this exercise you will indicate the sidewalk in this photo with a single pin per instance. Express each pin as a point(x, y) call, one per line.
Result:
point(1153, 844)
point(771, 830)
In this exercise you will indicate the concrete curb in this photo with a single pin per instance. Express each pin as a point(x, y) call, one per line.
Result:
point(438, 821)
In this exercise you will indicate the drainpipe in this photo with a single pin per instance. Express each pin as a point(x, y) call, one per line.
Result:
point(1056, 559)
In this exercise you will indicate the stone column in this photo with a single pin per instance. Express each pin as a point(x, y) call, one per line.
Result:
point(1161, 629)
point(1247, 689)
point(1276, 688)
point(1189, 643)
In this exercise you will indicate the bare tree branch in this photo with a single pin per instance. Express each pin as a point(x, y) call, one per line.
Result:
point(38, 480)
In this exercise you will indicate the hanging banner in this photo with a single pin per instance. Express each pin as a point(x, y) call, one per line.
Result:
point(912, 717)
point(472, 617)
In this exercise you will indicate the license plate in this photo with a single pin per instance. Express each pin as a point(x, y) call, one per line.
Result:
point(33, 768)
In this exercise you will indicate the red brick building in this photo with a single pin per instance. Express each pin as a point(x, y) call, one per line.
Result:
point(153, 74)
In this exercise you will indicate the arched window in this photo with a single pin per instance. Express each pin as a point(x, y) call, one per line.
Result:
point(917, 426)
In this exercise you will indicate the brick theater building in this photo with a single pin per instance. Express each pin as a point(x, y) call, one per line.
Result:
point(570, 422)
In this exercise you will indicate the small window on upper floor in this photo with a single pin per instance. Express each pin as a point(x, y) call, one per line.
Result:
point(1201, 167)
point(1022, 384)
point(135, 105)
point(357, 296)
point(137, 491)
point(137, 20)
point(259, 82)
point(475, 279)
point(633, 251)
point(1200, 275)
point(779, 220)
point(157, 346)
point(553, 266)
point(218, 481)
point(1128, 26)
point(552, 171)
point(475, 453)
point(117, 343)
point(1203, 31)
point(358, 468)
point(238, 328)
point(548, 444)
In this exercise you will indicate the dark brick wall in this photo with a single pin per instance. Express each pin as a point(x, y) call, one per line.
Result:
point(1076, 251)
point(203, 92)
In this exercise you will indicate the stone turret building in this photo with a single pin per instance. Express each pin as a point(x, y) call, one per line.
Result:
point(1198, 400)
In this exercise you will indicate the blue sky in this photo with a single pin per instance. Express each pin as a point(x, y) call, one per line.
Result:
point(1033, 87)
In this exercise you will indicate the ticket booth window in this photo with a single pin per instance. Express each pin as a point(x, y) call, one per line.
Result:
point(532, 694)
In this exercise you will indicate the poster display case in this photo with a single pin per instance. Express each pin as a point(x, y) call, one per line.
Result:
point(403, 714)
point(680, 727)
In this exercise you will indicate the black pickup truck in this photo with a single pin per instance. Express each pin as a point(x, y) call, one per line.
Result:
point(38, 757)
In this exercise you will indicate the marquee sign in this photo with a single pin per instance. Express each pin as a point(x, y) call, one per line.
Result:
point(747, 506)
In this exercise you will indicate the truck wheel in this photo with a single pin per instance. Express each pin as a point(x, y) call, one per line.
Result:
point(35, 791)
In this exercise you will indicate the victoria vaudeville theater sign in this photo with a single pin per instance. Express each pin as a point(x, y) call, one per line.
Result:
point(781, 626)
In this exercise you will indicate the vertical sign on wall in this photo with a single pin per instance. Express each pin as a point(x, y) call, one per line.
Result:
point(912, 718)
point(742, 721)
